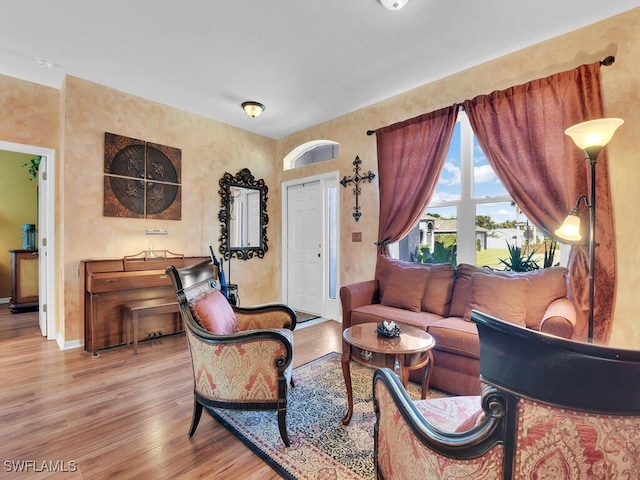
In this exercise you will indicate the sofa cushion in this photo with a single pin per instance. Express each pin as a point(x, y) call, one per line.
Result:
point(437, 294)
point(457, 336)
point(462, 289)
point(547, 285)
point(385, 265)
point(383, 268)
point(404, 287)
point(376, 313)
point(439, 287)
point(214, 313)
point(503, 297)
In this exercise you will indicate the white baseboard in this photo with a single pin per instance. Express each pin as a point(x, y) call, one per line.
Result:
point(5, 300)
point(68, 345)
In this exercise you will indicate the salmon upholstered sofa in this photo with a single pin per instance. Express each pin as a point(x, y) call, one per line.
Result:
point(439, 298)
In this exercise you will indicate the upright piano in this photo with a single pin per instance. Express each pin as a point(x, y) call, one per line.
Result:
point(110, 283)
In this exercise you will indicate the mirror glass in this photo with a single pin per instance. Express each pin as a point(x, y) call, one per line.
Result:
point(243, 215)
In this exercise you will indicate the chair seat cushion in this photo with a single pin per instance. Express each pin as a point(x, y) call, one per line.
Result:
point(449, 413)
point(213, 312)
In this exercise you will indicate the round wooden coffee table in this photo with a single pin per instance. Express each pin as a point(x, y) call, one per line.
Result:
point(410, 351)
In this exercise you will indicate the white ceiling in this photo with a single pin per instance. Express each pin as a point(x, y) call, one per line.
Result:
point(308, 61)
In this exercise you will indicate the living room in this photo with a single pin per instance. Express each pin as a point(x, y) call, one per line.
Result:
point(72, 122)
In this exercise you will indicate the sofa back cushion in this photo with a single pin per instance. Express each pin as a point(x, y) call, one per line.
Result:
point(503, 297)
point(462, 289)
point(546, 285)
point(437, 295)
point(404, 288)
point(438, 288)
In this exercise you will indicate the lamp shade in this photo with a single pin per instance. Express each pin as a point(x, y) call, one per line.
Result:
point(594, 133)
point(570, 228)
point(253, 109)
point(393, 4)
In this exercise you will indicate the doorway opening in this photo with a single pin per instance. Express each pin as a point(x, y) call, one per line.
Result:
point(46, 238)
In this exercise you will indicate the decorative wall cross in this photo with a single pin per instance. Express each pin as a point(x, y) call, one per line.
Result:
point(356, 179)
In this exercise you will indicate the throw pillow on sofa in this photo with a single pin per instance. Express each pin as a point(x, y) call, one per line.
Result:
point(462, 289)
point(437, 295)
point(547, 285)
point(405, 288)
point(438, 288)
point(502, 297)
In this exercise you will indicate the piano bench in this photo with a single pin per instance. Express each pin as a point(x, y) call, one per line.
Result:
point(135, 310)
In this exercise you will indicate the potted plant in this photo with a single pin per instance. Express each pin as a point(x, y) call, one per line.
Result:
point(34, 165)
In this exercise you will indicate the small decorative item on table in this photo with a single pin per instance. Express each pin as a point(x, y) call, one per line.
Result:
point(388, 329)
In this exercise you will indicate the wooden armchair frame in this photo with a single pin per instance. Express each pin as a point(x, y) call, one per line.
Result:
point(268, 327)
point(546, 401)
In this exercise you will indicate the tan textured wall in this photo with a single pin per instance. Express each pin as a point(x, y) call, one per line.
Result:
point(30, 113)
point(31, 116)
point(619, 36)
point(209, 149)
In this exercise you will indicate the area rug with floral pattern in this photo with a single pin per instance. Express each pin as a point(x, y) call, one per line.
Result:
point(321, 447)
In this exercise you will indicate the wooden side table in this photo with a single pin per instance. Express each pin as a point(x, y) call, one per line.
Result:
point(410, 351)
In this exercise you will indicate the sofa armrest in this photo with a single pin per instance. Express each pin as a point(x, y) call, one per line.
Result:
point(559, 319)
point(357, 295)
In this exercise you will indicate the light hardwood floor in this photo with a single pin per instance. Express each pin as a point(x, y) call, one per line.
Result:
point(118, 415)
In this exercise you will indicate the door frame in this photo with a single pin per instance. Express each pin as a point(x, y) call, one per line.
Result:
point(330, 307)
point(46, 229)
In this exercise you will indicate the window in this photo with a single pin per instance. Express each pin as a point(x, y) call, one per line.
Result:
point(311, 152)
point(471, 218)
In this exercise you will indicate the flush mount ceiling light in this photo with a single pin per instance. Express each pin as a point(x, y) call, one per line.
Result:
point(393, 4)
point(253, 109)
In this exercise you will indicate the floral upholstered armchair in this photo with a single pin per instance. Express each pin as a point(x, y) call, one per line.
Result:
point(241, 357)
point(550, 408)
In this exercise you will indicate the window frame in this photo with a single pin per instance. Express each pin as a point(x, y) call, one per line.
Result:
point(466, 206)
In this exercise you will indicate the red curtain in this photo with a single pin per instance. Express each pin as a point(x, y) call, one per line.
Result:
point(410, 157)
point(521, 130)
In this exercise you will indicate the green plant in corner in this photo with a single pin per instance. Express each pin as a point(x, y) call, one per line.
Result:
point(34, 165)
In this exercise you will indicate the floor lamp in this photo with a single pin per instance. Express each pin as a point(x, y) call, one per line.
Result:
point(590, 136)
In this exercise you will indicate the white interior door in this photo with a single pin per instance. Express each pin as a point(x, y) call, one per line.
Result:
point(42, 244)
point(304, 247)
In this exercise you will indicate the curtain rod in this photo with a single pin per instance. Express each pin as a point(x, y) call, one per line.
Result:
point(605, 62)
